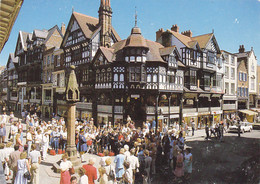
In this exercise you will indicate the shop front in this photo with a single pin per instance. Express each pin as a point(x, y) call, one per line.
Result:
point(216, 116)
point(188, 116)
point(203, 119)
point(248, 115)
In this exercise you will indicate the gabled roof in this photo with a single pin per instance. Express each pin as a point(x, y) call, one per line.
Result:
point(87, 24)
point(40, 33)
point(182, 38)
point(203, 40)
point(108, 53)
point(50, 32)
point(167, 50)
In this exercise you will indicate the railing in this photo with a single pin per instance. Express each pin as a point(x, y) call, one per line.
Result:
point(61, 102)
point(104, 108)
point(189, 110)
point(215, 108)
point(175, 109)
point(35, 101)
point(229, 106)
point(203, 109)
point(150, 110)
point(84, 105)
point(118, 109)
point(13, 98)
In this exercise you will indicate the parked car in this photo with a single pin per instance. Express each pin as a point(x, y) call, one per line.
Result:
point(244, 127)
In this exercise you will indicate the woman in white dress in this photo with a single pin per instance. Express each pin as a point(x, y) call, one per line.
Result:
point(110, 171)
point(22, 167)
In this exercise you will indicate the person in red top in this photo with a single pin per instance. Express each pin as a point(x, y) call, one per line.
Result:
point(91, 171)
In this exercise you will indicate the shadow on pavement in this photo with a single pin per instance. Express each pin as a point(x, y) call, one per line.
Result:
point(235, 160)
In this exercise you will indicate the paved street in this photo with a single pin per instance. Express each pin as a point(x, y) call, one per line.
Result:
point(213, 161)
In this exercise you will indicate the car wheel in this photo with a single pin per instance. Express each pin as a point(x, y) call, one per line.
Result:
point(250, 130)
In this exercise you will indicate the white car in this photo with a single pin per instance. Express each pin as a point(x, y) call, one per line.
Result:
point(244, 127)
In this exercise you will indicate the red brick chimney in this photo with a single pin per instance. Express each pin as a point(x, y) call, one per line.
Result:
point(159, 33)
point(241, 49)
point(187, 33)
point(175, 28)
point(63, 29)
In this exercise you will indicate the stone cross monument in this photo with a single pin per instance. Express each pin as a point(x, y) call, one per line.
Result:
point(72, 96)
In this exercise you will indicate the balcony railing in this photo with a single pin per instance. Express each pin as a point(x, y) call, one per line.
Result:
point(104, 108)
point(118, 109)
point(215, 108)
point(203, 109)
point(84, 105)
point(229, 106)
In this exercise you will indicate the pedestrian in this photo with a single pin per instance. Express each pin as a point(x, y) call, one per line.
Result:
point(239, 128)
point(192, 126)
point(29, 138)
point(73, 180)
point(45, 144)
point(91, 171)
point(2, 133)
point(147, 164)
point(207, 131)
point(12, 162)
point(119, 161)
point(35, 160)
point(8, 150)
point(188, 163)
point(134, 163)
point(179, 170)
point(110, 172)
point(56, 139)
point(65, 165)
point(22, 167)
point(128, 175)
point(83, 177)
point(103, 178)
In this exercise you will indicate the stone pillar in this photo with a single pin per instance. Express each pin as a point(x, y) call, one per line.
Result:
point(71, 146)
point(156, 111)
point(169, 109)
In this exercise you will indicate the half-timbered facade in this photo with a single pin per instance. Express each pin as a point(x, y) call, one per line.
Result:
point(203, 74)
point(12, 80)
point(83, 37)
point(139, 78)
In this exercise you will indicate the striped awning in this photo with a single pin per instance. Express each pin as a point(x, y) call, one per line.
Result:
point(9, 10)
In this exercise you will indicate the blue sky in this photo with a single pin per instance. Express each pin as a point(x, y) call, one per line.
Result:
point(235, 22)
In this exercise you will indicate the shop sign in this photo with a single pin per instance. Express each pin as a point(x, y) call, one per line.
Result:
point(204, 113)
point(160, 117)
point(135, 96)
point(217, 112)
point(174, 116)
point(190, 114)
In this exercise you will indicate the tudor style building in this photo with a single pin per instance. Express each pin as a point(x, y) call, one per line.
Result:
point(203, 75)
point(12, 80)
point(83, 37)
point(139, 78)
point(29, 50)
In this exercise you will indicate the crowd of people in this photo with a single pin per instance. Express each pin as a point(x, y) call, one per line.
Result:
point(128, 154)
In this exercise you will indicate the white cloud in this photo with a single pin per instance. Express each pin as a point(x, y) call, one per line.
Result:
point(258, 0)
point(236, 21)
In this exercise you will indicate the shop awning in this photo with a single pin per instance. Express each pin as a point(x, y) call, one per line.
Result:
point(248, 112)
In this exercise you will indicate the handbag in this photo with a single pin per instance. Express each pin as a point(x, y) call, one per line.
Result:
point(111, 175)
point(27, 175)
point(72, 170)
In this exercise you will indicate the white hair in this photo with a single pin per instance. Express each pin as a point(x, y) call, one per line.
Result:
point(126, 147)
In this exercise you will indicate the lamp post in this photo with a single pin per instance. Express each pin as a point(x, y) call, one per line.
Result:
point(72, 96)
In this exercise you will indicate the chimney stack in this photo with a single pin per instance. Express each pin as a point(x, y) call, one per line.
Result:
point(241, 49)
point(159, 33)
point(187, 33)
point(175, 28)
point(63, 29)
